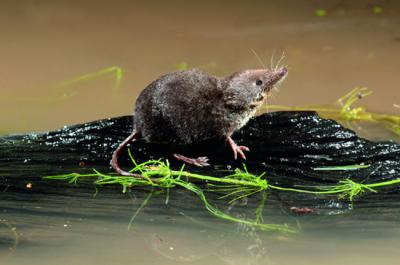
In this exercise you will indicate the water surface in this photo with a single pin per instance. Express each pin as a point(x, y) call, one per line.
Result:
point(45, 42)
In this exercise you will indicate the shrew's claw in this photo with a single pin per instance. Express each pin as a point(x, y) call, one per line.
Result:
point(237, 149)
point(201, 161)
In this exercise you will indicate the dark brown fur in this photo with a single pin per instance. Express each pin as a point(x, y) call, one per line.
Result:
point(189, 106)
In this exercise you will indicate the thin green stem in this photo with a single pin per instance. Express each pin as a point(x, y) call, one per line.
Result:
point(142, 205)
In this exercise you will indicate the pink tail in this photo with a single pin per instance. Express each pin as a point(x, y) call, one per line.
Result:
point(114, 161)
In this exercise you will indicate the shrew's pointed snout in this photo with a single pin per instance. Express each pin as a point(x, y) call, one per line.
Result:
point(278, 74)
point(275, 76)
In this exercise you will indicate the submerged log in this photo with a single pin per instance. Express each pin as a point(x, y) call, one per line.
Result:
point(288, 146)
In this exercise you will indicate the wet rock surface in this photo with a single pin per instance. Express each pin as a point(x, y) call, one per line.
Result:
point(285, 145)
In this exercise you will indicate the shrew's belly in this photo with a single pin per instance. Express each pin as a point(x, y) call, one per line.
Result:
point(182, 133)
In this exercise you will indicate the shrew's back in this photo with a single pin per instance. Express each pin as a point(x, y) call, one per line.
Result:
point(181, 107)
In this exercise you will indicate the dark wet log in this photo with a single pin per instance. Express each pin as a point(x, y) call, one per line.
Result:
point(285, 145)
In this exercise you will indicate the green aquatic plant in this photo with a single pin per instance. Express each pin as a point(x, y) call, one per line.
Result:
point(341, 168)
point(185, 66)
point(347, 188)
point(376, 9)
point(116, 71)
point(158, 174)
point(64, 87)
point(344, 111)
point(240, 184)
point(139, 209)
point(394, 125)
point(320, 12)
point(182, 66)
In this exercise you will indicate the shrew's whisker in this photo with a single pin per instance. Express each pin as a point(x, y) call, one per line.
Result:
point(259, 59)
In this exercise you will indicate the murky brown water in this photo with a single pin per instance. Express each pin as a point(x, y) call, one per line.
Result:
point(84, 230)
point(43, 43)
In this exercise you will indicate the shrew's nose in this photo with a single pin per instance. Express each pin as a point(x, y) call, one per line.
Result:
point(279, 74)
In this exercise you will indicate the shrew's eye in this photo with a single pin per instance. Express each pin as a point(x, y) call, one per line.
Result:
point(259, 82)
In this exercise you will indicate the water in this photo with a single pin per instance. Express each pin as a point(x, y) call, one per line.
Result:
point(82, 230)
point(44, 43)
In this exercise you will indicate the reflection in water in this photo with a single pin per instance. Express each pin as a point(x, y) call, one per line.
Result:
point(174, 243)
point(9, 237)
point(249, 250)
point(86, 230)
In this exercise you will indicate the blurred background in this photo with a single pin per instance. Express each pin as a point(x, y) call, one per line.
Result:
point(330, 47)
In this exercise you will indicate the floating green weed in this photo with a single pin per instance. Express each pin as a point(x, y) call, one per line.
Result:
point(114, 70)
point(65, 94)
point(341, 168)
point(394, 126)
point(345, 189)
point(347, 113)
point(182, 66)
point(348, 189)
point(235, 186)
point(376, 9)
point(158, 174)
point(320, 12)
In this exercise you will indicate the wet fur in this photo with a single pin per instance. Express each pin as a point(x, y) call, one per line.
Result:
point(182, 107)
point(190, 106)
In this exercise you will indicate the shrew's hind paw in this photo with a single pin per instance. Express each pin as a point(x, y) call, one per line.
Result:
point(201, 161)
